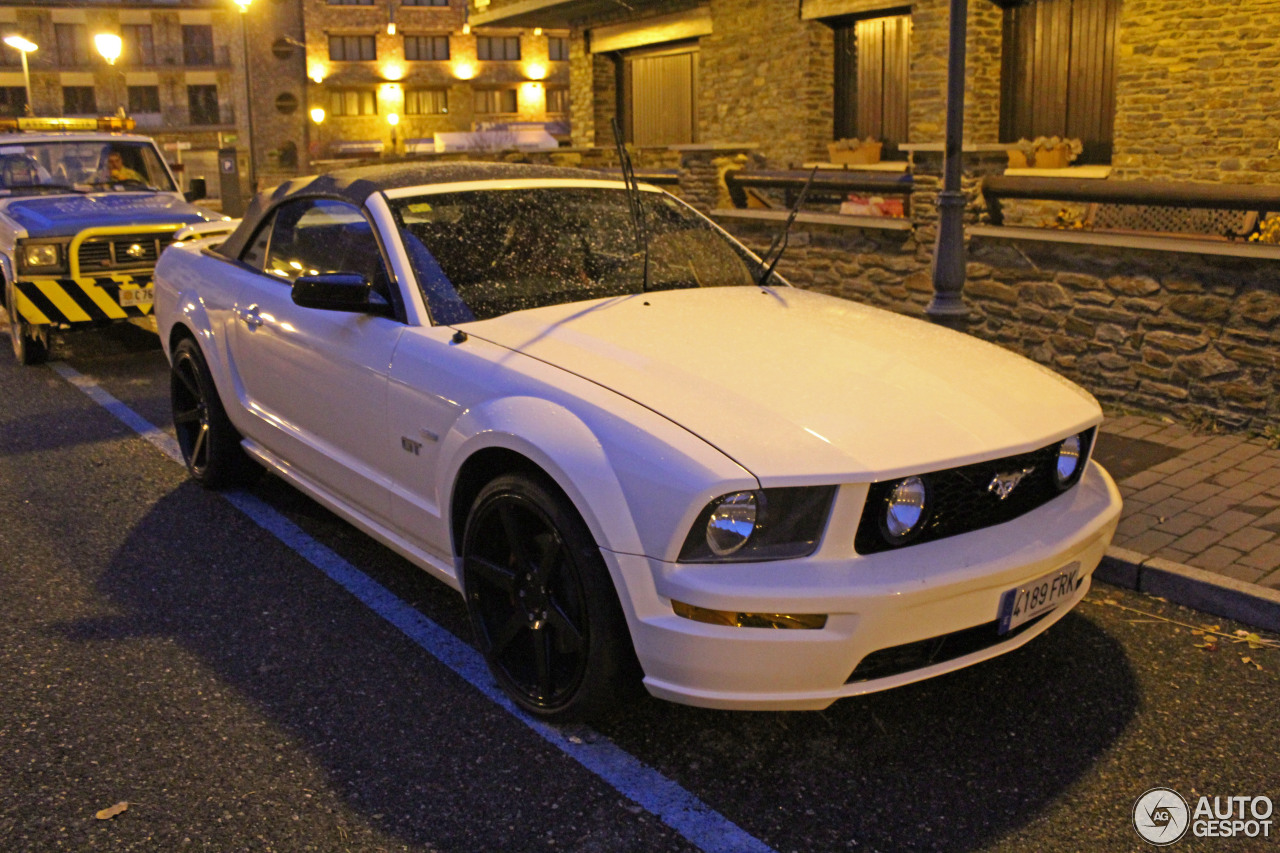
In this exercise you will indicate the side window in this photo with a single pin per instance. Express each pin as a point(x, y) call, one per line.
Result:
point(319, 235)
point(256, 254)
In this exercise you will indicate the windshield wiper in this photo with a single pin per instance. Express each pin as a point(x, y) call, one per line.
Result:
point(39, 188)
point(784, 237)
point(633, 201)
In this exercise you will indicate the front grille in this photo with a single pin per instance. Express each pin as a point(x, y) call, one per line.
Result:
point(112, 253)
point(960, 500)
point(908, 657)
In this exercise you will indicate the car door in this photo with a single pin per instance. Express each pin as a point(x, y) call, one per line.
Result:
point(315, 381)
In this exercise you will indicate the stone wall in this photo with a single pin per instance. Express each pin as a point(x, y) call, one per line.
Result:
point(930, 43)
point(1198, 91)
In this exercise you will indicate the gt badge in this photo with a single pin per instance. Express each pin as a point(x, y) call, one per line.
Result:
point(1003, 484)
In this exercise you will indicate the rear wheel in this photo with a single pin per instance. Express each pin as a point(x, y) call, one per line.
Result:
point(210, 444)
point(29, 345)
point(541, 602)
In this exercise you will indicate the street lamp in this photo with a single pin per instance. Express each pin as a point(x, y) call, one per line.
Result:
point(23, 46)
point(109, 45)
point(393, 119)
point(248, 93)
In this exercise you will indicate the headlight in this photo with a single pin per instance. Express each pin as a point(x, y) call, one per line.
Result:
point(905, 510)
point(768, 524)
point(40, 255)
point(731, 523)
point(1070, 456)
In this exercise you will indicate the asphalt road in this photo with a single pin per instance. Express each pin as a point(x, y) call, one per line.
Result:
point(158, 647)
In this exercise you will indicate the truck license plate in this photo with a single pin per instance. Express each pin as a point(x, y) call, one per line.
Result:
point(136, 297)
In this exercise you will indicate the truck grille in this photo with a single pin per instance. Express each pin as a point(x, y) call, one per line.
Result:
point(118, 253)
point(961, 499)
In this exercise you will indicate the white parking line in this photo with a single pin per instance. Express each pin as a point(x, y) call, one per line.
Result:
point(665, 799)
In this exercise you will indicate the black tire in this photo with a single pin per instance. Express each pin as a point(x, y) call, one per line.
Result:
point(542, 605)
point(28, 348)
point(210, 444)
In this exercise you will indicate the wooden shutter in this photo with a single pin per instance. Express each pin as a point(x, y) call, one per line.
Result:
point(660, 92)
point(872, 60)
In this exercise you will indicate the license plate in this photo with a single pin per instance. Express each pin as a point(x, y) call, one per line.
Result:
point(136, 297)
point(1039, 596)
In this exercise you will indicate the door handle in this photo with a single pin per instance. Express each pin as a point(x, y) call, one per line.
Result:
point(250, 316)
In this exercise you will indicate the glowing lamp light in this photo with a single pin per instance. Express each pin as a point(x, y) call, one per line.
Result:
point(466, 29)
point(535, 70)
point(109, 45)
point(391, 28)
point(464, 70)
point(537, 31)
point(244, 5)
point(19, 43)
point(317, 73)
point(317, 114)
point(392, 71)
point(393, 119)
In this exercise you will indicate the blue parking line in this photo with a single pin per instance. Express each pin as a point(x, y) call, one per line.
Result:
point(665, 799)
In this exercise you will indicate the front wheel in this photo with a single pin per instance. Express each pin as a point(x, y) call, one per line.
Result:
point(29, 346)
point(541, 602)
point(210, 444)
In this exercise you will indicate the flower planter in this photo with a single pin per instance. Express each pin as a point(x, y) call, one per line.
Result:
point(864, 155)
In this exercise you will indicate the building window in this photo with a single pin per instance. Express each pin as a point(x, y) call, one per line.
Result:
point(197, 44)
point(350, 2)
point(13, 100)
point(10, 55)
point(426, 48)
point(139, 44)
point(426, 102)
point(202, 103)
point(498, 47)
point(872, 59)
point(78, 101)
point(352, 48)
point(144, 99)
point(557, 100)
point(658, 96)
point(426, 2)
point(491, 101)
point(73, 44)
point(557, 48)
point(1058, 76)
point(353, 102)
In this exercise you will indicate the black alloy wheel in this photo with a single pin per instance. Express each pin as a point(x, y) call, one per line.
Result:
point(541, 602)
point(210, 444)
point(28, 347)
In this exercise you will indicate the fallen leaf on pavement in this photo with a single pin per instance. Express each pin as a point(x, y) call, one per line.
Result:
point(107, 814)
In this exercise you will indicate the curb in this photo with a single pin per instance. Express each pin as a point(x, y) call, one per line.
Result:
point(1222, 596)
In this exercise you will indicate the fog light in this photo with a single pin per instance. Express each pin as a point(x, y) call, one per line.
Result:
point(801, 621)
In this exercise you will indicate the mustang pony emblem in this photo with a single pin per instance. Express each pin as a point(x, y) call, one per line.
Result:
point(1003, 484)
point(135, 251)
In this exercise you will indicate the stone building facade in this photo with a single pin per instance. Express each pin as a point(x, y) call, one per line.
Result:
point(180, 75)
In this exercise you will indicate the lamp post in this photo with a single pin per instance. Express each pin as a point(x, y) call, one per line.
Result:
point(24, 47)
point(109, 45)
point(248, 93)
point(947, 307)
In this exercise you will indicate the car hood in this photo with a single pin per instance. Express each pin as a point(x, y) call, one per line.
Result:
point(67, 215)
point(797, 387)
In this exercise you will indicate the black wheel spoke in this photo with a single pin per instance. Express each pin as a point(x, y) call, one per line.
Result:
point(186, 416)
point(569, 639)
point(493, 574)
point(515, 536)
point(550, 552)
point(542, 663)
point(198, 447)
point(189, 382)
point(516, 623)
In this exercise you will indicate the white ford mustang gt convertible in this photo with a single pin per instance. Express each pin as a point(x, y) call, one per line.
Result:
point(635, 451)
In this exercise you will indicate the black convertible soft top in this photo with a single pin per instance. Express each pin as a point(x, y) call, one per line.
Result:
point(357, 184)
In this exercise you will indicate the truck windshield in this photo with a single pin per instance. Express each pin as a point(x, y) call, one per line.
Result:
point(29, 168)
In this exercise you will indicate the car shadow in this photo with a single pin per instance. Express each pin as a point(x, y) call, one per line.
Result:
point(417, 752)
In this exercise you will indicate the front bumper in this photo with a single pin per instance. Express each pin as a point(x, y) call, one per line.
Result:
point(79, 301)
point(874, 602)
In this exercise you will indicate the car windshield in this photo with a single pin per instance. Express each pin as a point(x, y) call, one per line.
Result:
point(33, 168)
point(482, 253)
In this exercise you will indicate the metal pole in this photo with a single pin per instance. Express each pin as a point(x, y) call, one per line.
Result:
point(248, 103)
point(947, 307)
point(26, 81)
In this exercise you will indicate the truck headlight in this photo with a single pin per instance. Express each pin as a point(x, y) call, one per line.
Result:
point(40, 255)
point(766, 524)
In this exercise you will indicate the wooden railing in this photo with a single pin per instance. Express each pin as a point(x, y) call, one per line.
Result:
point(831, 185)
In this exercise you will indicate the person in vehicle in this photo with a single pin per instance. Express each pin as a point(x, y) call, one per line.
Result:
point(114, 170)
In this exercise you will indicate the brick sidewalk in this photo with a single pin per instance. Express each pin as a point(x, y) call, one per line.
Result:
point(1207, 501)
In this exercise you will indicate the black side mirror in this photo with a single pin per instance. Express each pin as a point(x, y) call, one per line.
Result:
point(199, 189)
point(339, 291)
